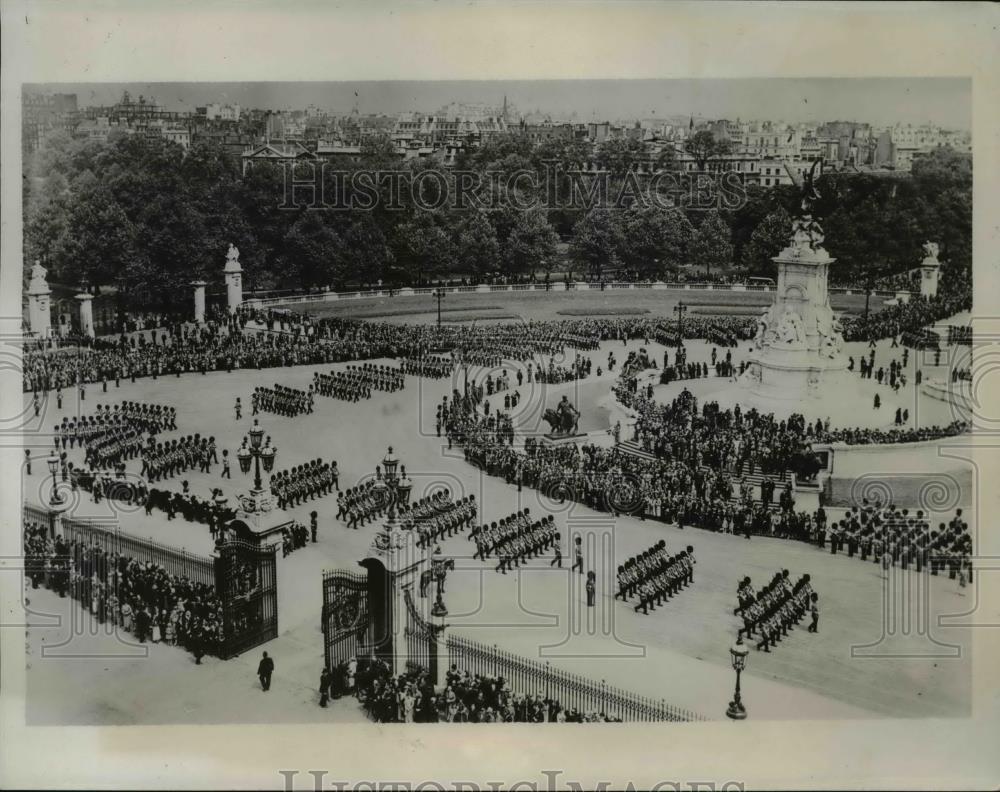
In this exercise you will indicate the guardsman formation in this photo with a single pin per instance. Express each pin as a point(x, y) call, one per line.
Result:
point(514, 539)
point(776, 608)
point(168, 458)
point(441, 521)
point(437, 503)
point(660, 576)
point(140, 417)
point(891, 536)
point(303, 482)
point(430, 366)
point(358, 382)
point(282, 400)
point(360, 504)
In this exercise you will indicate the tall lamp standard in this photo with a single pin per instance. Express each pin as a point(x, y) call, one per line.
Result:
point(680, 309)
point(738, 654)
point(55, 499)
point(258, 452)
point(389, 483)
point(439, 294)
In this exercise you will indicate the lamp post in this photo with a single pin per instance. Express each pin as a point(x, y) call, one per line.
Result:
point(680, 309)
point(53, 462)
point(738, 654)
point(439, 294)
point(259, 452)
point(388, 483)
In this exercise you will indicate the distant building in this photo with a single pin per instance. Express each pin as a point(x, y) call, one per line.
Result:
point(42, 114)
point(220, 112)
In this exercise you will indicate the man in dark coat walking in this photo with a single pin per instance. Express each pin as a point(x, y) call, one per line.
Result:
point(264, 671)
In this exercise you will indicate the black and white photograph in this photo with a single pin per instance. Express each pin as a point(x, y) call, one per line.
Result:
point(403, 408)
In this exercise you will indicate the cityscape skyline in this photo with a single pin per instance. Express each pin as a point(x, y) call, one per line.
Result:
point(944, 102)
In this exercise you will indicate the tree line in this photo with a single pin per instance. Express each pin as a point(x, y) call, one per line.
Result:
point(145, 216)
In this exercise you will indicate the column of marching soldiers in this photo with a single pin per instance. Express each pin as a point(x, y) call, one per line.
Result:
point(777, 608)
point(655, 575)
point(358, 382)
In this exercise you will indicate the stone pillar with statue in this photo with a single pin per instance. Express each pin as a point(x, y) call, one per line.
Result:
point(234, 279)
point(39, 303)
point(798, 341)
point(930, 270)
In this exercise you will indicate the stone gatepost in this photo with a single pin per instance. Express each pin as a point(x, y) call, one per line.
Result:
point(199, 301)
point(39, 303)
point(234, 279)
point(86, 314)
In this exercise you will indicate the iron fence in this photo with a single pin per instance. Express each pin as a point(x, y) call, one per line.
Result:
point(36, 514)
point(111, 539)
point(572, 691)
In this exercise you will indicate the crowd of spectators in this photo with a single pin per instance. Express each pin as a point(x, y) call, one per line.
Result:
point(139, 598)
point(466, 698)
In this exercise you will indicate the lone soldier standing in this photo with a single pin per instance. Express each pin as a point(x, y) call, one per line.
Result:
point(578, 555)
point(557, 558)
point(313, 524)
point(264, 671)
point(591, 588)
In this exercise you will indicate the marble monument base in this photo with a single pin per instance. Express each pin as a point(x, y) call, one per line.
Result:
point(792, 375)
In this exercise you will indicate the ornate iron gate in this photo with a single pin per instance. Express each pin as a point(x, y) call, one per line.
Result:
point(421, 640)
point(247, 583)
point(346, 618)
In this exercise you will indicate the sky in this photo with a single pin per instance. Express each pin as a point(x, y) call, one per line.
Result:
point(880, 101)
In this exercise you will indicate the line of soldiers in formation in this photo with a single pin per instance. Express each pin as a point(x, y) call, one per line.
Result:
point(281, 400)
point(167, 459)
point(358, 382)
point(892, 536)
point(516, 538)
point(454, 518)
point(656, 576)
point(776, 608)
point(119, 443)
point(435, 367)
point(303, 482)
point(360, 504)
point(150, 418)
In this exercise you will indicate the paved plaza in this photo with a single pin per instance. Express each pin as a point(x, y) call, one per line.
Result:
point(858, 664)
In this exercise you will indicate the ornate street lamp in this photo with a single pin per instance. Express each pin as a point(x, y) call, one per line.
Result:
point(738, 654)
point(258, 451)
point(55, 498)
point(243, 457)
point(389, 464)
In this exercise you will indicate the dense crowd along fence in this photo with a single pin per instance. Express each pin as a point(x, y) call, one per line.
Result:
point(555, 286)
point(572, 691)
point(110, 538)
